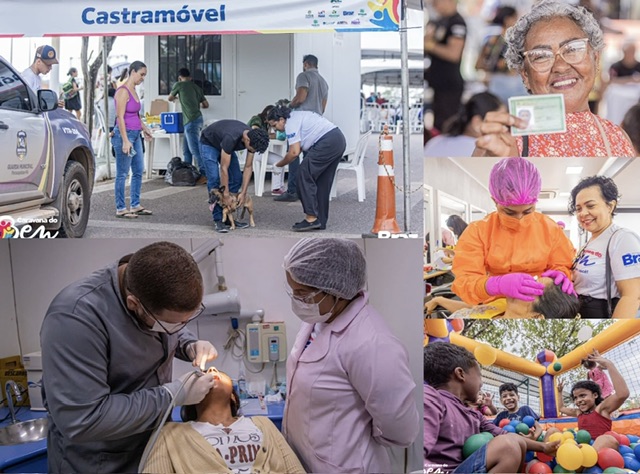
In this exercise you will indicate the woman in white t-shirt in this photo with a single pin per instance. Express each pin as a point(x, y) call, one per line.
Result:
point(594, 200)
point(216, 438)
point(323, 145)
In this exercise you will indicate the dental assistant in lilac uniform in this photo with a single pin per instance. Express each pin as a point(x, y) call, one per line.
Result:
point(341, 414)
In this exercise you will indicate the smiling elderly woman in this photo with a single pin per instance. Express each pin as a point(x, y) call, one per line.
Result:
point(556, 48)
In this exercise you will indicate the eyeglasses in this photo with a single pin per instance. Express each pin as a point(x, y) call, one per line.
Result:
point(572, 53)
point(308, 298)
point(171, 328)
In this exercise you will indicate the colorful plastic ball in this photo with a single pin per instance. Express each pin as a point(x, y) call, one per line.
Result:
point(567, 435)
point(529, 456)
point(589, 455)
point(569, 441)
point(557, 366)
point(555, 437)
point(593, 470)
point(559, 468)
point(541, 437)
point(529, 421)
point(485, 354)
point(608, 457)
point(522, 428)
point(473, 443)
point(624, 450)
point(615, 470)
point(539, 468)
point(509, 428)
point(630, 462)
point(544, 457)
point(633, 438)
point(504, 422)
point(569, 456)
point(514, 423)
point(623, 440)
point(636, 451)
point(583, 436)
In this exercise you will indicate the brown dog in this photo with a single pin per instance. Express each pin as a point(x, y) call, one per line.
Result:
point(216, 196)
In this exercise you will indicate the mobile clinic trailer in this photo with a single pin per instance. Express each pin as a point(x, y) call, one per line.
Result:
point(252, 68)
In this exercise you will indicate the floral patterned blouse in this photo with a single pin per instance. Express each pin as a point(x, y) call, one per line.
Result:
point(587, 135)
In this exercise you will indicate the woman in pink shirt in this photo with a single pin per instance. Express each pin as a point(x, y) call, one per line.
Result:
point(127, 142)
point(350, 392)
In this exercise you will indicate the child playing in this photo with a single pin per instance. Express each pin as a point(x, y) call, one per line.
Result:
point(452, 377)
point(598, 376)
point(510, 398)
point(594, 412)
point(484, 404)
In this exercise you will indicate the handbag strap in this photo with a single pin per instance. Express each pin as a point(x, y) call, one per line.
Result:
point(608, 276)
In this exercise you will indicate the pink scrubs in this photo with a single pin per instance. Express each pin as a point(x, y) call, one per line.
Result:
point(350, 393)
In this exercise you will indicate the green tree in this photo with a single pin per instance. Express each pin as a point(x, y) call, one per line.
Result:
point(90, 73)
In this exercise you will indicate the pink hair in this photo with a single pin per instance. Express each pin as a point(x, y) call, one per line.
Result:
point(514, 182)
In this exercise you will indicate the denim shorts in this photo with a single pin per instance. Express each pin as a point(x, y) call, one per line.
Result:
point(476, 463)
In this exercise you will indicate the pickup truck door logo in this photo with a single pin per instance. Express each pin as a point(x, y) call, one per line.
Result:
point(21, 146)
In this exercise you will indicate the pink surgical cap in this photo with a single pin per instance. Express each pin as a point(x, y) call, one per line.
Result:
point(514, 182)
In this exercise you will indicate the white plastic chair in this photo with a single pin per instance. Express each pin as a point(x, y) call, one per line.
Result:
point(355, 163)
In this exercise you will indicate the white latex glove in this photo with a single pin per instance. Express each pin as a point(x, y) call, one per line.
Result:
point(201, 352)
point(194, 390)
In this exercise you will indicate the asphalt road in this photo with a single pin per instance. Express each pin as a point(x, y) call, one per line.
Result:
point(183, 211)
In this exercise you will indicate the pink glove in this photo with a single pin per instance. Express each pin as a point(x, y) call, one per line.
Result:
point(561, 278)
point(515, 285)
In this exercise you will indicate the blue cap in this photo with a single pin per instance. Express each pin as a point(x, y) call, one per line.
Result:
point(46, 54)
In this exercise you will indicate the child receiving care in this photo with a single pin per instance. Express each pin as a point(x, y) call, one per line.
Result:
point(451, 378)
point(510, 398)
point(593, 411)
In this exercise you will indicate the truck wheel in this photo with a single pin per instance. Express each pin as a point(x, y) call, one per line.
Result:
point(75, 202)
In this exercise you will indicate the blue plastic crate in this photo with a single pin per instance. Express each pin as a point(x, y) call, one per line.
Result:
point(171, 122)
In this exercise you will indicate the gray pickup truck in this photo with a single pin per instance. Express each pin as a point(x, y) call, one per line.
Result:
point(47, 165)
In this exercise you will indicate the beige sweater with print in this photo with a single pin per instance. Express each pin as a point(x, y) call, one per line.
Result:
point(181, 449)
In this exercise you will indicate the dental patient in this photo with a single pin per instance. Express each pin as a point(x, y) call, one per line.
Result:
point(218, 439)
point(552, 304)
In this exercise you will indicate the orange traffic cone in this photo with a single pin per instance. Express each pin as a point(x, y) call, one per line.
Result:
point(386, 198)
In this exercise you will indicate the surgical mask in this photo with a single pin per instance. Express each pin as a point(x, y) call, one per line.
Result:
point(310, 312)
point(513, 223)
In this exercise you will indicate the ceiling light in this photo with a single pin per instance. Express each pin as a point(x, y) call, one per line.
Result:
point(574, 169)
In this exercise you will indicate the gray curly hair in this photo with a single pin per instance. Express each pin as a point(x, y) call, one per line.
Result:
point(545, 10)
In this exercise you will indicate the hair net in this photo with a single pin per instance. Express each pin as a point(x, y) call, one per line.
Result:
point(335, 266)
point(514, 182)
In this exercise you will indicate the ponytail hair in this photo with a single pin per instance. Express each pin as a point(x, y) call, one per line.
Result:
point(478, 104)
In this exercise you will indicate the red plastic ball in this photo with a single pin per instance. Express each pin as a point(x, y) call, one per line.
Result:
point(540, 468)
point(544, 457)
point(503, 423)
point(608, 457)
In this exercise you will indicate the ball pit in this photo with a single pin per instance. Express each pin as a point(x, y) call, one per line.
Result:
point(575, 453)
